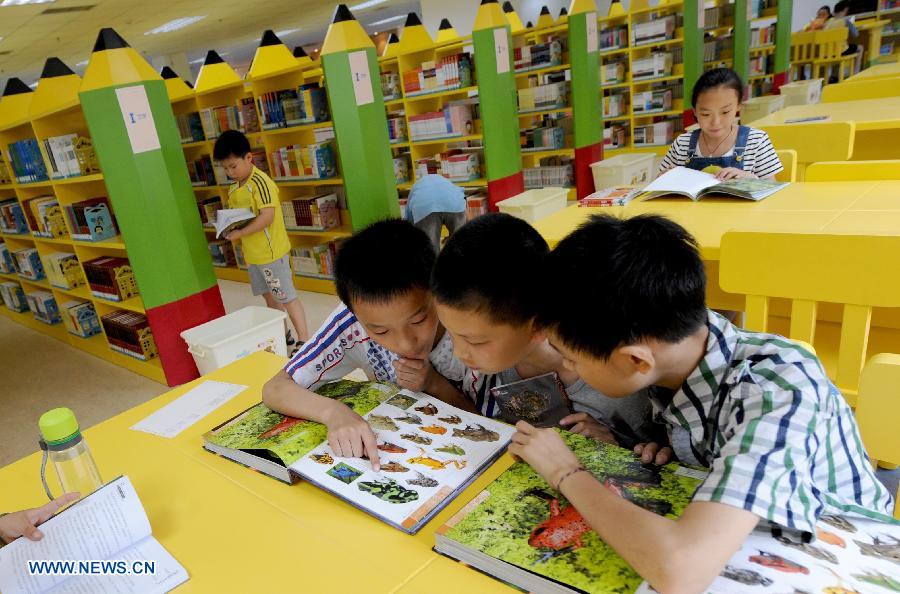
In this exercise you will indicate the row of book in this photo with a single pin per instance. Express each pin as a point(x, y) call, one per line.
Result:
point(455, 119)
point(613, 72)
point(449, 72)
point(656, 134)
point(656, 65)
point(295, 162)
point(91, 220)
point(205, 172)
point(652, 101)
point(615, 105)
point(556, 176)
point(550, 135)
point(653, 31)
point(293, 107)
point(13, 296)
point(45, 217)
point(78, 316)
point(615, 136)
point(12, 218)
point(316, 261)
point(390, 85)
point(222, 253)
point(314, 213)
point(550, 95)
point(613, 38)
point(539, 55)
point(455, 164)
point(63, 270)
point(401, 168)
point(27, 264)
point(190, 128)
point(759, 65)
point(241, 116)
point(26, 160)
point(70, 155)
point(762, 36)
point(129, 333)
point(110, 278)
point(208, 207)
point(397, 129)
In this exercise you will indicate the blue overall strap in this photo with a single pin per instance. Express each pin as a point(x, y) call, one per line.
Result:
point(692, 145)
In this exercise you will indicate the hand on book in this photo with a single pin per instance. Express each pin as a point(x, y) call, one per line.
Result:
point(25, 522)
point(350, 436)
point(543, 450)
point(727, 173)
point(653, 453)
point(234, 235)
point(584, 424)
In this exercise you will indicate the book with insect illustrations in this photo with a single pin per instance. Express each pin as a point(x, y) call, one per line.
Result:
point(519, 530)
point(428, 450)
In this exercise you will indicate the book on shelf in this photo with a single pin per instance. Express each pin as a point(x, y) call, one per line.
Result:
point(653, 31)
point(239, 256)
point(543, 138)
point(454, 164)
point(613, 38)
point(311, 213)
point(240, 116)
point(652, 101)
point(314, 261)
point(697, 184)
point(13, 296)
point(45, 217)
point(429, 451)
point(222, 253)
point(108, 527)
point(5, 177)
point(129, 333)
point(615, 136)
point(190, 128)
point(110, 278)
point(208, 207)
point(314, 161)
point(70, 155)
point(401, 169)
point(12, 218)
point(476, 205)
point(80, 318)
point(614, 104)
point(7, 264)
point(390, 85)
point(43, 307)
point(28, 264)
point(612, 73)
point(26, 160)
point(543, 96)
point(397, 129)
point(229, 219)
point(539, 55)
point(655, 134)
point(447, 73)
point(455, 119)
point(91, 220)
point(559, 175)
point(656, 65)
point(293, 107)
point(63, 270)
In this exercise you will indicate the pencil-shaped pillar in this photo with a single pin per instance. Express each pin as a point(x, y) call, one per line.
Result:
point(512, 17)
point(391, 47)
point(499, 112)
point(741, 40)
point(583, 57)
point(563, 16)
point(302, 58)
point(16, 103)
point(215, 73)
point(127, 110)
point(271, 58)
point(615, 8)
point(446, 32)
point(360, 124)
point(414, 37)
point(693, 53)
point(175, 86)
point(545, 19)
point(782, 46)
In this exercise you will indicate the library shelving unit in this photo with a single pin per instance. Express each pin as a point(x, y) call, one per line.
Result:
point(54, 109)
point(615, 89)
point(389, 68)
point(718, 34)
point(889, 50)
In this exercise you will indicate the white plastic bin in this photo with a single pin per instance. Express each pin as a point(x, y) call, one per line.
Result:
point(629, 169)
point(802, 92)
point(532, 205)
point(233, 336)
point(757, 108)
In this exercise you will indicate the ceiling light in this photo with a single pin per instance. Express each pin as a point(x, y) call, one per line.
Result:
point(20, 2)
point(197, 61)
point(366, 4)
point(175, 24)
point(82, 63)
point(390, 20)
point(285, 32)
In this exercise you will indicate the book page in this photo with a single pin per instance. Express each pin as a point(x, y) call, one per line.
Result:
point(427, 450)
point(682, 180)
point(229, 216)
point(99, 526)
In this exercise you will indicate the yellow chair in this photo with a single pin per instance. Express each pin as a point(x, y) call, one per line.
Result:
point(869, 89)
point(803, 46)
point(858, 271)
point(886, 169)
point(829, 47)
point(788, 158)
point(878, 409)
point(816, 141)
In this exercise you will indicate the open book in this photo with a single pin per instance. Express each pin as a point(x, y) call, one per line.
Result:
point(109, 526)
point(697, 184)
point(540, 400)
point(229, 219)
point(429, 451)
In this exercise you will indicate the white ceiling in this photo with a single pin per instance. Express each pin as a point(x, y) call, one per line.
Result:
point(232, 27)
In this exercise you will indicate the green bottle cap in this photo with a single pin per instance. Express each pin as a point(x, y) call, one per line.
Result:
point(58, 426)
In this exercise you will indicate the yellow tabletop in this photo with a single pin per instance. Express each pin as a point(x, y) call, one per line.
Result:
point(869, 114)
point(877, 71)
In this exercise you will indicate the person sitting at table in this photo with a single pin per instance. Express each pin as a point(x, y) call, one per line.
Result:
point(720, 145)
point(386, 325)
point(758, 411)
point(840, 19)
point(25, 522)
point(822, 17)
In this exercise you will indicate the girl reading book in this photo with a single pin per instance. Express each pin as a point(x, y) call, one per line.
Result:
point(720, 145)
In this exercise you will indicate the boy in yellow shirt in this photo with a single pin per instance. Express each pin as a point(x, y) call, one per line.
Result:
point(264, 240)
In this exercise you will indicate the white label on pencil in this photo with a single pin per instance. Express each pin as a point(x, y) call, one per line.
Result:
point(362, 81)
point(501, 49)
point(138, 118)
point(592, 41)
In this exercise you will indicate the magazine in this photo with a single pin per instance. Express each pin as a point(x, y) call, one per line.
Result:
point(697, 184)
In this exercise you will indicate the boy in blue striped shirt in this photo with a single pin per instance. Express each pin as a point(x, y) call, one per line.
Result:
point(757, 410)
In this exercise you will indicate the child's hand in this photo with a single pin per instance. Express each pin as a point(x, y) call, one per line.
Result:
point(733, 173)
point(234, 235)
point(544, 450)
point(651, 452)
point(349, 435)
point(584, 424)
point(414, 374)
point(25, 522)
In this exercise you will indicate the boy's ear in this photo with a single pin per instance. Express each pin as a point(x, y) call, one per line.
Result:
point(637, 356)
point(537, 334)
point(248, 157)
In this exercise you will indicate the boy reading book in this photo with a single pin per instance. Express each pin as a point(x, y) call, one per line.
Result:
point(484, 285)
point(386, 325)
point(757, 410)
point(264, 239)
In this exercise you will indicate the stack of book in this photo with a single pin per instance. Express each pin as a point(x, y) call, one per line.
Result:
point(397, 129)
point(555, 176)
point(45, 217)
point(129, 333)
point(539, 55)
point(222, 252)
point(293, 107)
point(454, 164)
point(190, 128)
point(241, 116)
point(652, 101)
point(316, 261)
point(91, 220)
point(455, 119)
point(28, 264)
point(612, 73)
point(70, 155)
point(654, 31)
point(7, 264)
point(316, 213)
point(476, 206)
point(295, 162)
point(27, 162)
point(63, 270)
point(43, 306)
point(656, 65)
point(656, 134)
point(110, 278)
point(450, 72)
point(12, 218)
point(543, 96)
point(613, 38)
point(80, 318)
point(13, 297)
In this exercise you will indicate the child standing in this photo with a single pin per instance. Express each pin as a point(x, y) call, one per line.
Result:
point(720, 145)
point(264, 240)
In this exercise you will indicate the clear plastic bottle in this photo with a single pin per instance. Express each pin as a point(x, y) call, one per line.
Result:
point(69, 452)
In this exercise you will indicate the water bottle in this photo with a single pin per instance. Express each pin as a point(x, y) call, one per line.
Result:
point(63, 443)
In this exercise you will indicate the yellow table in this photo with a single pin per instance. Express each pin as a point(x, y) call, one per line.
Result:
point(877, 123)
point(870, 39)
point(877, 71)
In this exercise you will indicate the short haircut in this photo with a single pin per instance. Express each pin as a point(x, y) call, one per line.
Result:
point(826, 8)
point(383, 261)
point(842, 5)
point(231, 144)
point(615, 282)
point(718, 77)
point(488, 266)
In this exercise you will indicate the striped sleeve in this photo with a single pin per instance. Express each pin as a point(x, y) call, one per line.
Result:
point(677, 155)
point(765, 160)
point(265, 193)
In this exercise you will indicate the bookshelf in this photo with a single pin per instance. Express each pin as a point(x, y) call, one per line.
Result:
point(53, 110)
point(888, 10)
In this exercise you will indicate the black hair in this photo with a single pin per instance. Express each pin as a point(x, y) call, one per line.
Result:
point(840, 6)
point(826, 8)
point(488, 266)
point(718, 77)
point(231, 144)
point(614, 282)
point(382, 261)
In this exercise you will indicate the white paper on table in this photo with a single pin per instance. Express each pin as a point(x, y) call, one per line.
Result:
point(501, 49)
point(362, 78)
point(188, 408)
point(138, 118)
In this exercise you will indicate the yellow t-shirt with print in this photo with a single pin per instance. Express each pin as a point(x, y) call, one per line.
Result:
point(259, 192)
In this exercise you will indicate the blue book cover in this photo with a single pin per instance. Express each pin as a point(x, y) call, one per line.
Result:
point(99, 222)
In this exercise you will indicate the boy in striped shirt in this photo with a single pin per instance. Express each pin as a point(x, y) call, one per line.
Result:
point(386, 325)
point(781, 444)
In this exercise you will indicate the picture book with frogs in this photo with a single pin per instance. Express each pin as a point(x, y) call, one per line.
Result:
point(429, 451)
